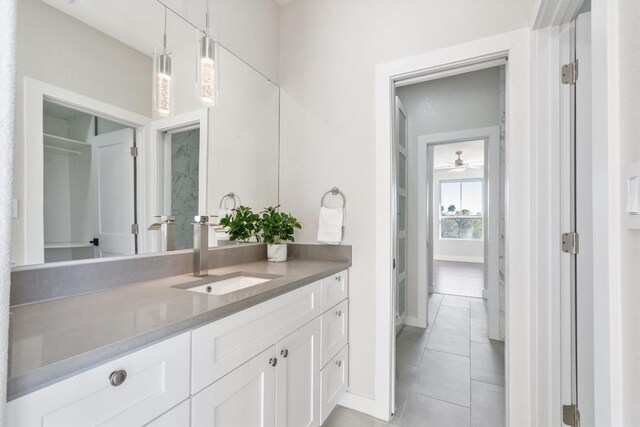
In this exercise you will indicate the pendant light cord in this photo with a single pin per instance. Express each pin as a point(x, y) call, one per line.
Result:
point(206, 23)
point(164, 37)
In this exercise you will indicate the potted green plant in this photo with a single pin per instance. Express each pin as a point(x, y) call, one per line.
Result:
point(242, 225)
point(277, 228)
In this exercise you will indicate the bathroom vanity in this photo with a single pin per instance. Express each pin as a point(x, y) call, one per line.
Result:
point(156, 353)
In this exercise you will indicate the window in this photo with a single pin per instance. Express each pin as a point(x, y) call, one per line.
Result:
point(461, 209)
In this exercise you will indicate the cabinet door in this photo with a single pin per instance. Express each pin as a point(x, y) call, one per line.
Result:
point(246, 397)
point(298, 377)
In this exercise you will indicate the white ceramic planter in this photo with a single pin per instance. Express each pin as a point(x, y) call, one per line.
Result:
point(277, 253)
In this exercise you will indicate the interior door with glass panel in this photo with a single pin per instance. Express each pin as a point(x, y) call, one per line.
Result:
point(401, 210)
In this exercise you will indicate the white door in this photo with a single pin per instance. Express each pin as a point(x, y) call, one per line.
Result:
point(246, 397)
point(584, 223)
point(401, 211)
point(298, 378)
point(112, 171)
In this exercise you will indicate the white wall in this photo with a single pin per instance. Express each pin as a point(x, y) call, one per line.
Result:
point(629, 33)
point(466, 101)
point(251, 29)
point(450, 249)
point(328, 53)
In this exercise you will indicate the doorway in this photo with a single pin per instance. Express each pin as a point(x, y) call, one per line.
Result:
point(176, 162)
point(450, 354)
point(89, 185)
point(179, 158)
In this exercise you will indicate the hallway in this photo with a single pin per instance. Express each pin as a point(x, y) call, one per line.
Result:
point(449, 374)
point(458, 278)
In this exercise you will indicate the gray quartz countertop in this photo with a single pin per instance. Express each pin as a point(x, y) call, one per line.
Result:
point(55, 339)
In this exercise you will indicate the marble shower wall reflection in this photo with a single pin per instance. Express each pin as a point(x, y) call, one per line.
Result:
point(185, 148)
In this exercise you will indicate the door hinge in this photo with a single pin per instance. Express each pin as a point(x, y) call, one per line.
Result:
point(570, 73)
point(571, 415)
point(134, 151)
point(571, 243)
point(134, 229)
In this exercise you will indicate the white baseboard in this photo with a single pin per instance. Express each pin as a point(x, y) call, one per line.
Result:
point(413, 321)
point(457, 258)
point(358, 403)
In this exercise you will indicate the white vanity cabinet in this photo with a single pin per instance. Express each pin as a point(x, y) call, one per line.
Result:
point(295, 383)
point(283, 363)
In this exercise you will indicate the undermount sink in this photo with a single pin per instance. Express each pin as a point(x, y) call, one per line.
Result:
point(221, 286)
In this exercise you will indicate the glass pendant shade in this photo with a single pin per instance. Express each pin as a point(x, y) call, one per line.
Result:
point(207, 87)
point(163, 96)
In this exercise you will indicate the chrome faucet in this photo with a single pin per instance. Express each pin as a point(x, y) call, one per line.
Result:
point(167, 226)
point(201, 245)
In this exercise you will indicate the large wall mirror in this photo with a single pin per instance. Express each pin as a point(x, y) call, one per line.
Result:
point(96, 165)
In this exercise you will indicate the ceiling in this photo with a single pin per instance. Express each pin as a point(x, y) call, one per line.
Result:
point(138, 23)
point(445, 154)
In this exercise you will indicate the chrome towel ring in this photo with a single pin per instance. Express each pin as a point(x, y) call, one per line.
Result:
point(335, 191)
point(233, 197)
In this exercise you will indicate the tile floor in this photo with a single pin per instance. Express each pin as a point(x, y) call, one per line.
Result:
point(449, 374)
point(458, 278)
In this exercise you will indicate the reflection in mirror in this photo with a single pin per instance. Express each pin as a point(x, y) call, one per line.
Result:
point(86, 170)
point(96, 164)
point(179, 178)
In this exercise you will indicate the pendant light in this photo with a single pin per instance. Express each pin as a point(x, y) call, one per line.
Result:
point(206, 79)
point(162, 69)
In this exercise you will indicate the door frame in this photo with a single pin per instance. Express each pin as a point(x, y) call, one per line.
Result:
point(36, 92)
point(491, 220)
point(190, 120)
point(514, 45)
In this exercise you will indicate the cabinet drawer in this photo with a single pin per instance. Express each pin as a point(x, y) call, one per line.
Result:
point(335, 327)
point(179, 416)
point(157, 378)
point(335, 288)
point(221, 346)
point(334, 381)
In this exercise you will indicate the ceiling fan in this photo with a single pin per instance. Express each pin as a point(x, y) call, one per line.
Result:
point(460, 165)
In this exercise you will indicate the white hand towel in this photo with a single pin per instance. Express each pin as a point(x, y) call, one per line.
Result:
point(330, 225)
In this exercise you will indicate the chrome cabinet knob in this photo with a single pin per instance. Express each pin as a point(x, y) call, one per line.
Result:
point(338, 363)
point(284, 353)
point(338, 279)
point(273, 361)
point(339, 313)
point(117, 377)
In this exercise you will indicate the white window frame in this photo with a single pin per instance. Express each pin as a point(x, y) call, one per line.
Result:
point(440, 216)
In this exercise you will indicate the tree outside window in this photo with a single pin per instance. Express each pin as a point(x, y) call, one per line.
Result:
point(461, 209)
